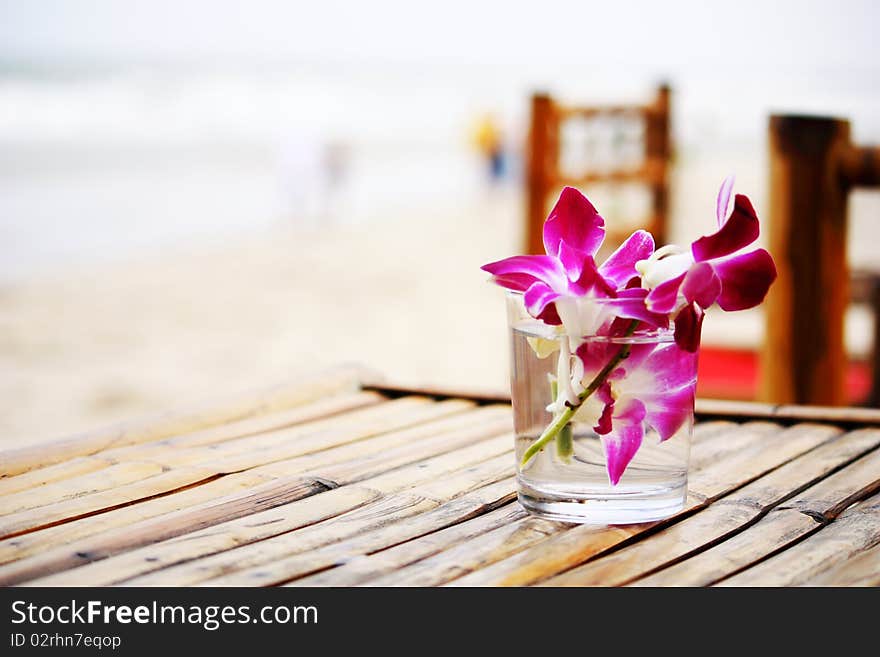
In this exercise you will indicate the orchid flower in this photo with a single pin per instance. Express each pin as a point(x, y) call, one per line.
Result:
point(556, 285)
point(685, 282)
point(616, 385)
point(653, 386)
point(553, 283)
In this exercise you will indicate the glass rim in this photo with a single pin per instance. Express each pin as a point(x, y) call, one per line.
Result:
point(643, 333)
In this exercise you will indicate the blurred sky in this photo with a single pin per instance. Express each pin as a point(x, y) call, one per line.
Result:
point(811, 55)
point(728, 38)
point(102, 102)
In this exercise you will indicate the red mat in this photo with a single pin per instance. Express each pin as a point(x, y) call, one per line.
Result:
point(733, 374)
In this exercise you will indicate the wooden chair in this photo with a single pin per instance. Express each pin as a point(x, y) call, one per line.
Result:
point(813, 167)
point(545, 176)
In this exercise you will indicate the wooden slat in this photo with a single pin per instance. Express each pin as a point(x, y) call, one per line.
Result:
point(722, 518)
point(862, 569)
point(320, 409)
point(580, 112)
point(44, 540)
point(358, 458)
point(22, 459)
point(371, 568)
point(856, 530)
point(469, 556)
point(398, 503)
point(274, 522)
point(254, 500)
point(710, 441)
point(827, 499)
point(748, 463)
point(41, 476)
point(653, 172)
point(296, 565)
point(578, 544)
point(265, 450)
point(213, 539)
point(270, 448)
point(776, 531)
point(113, 476)
point(67, 510)
point(260, 424)
point(323, 433)
point(845, 417)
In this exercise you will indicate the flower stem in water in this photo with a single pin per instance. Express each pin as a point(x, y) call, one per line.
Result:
point(561, 422)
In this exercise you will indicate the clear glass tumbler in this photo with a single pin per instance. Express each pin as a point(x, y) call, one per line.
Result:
point(644, 401)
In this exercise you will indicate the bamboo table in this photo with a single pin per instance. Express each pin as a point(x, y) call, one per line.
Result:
point(333, 482)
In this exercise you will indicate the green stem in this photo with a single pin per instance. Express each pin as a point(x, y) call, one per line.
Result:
point(564, 418)
point(564, 444)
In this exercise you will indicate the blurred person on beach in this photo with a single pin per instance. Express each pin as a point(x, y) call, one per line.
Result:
point(488, 140)
point(313, 173)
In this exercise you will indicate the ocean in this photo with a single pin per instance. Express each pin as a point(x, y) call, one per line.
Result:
point(101, 162)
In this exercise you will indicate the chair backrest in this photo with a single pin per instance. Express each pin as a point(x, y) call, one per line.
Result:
point(545, 174)
point(813, 167)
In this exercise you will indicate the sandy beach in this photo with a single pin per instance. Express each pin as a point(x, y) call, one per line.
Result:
point(405, 297)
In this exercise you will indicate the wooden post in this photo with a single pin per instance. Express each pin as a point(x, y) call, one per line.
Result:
point(541, 153)
point(804, 358)
point(658, 147)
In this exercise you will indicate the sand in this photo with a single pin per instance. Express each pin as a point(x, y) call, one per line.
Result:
point(404, 297)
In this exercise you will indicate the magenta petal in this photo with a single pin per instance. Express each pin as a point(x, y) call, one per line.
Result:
point(664, 297)
point(595, 354)
point(688, 327)
point(538, 296)
point(723, 202)
point(671, 367)
point(603, 425)
point(573, 261)
point(669, 411)
point(620, 268)
point(745, 279)
point(573, 220)
point(633, 307)
point(739, 231)
point(590, 280)
point(624, 440)
point(520, 272)
point(638, 353)
point(701, 285)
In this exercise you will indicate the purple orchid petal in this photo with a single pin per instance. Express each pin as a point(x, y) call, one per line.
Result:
point(638, 353)
point(723, 202)
point(537, 297)
point(669, 411)
point(573, 220)
point(635, 308)
point(701, 284)
point(671, 368)
point(688, 327)
point(745, 279)
point(595, 354)
point(573, 261)
point(664, 297)
point(603, 425)
point(591, 281)
point(620, 268)
point(520, 272)
point(625, 438)
point(737, 232)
